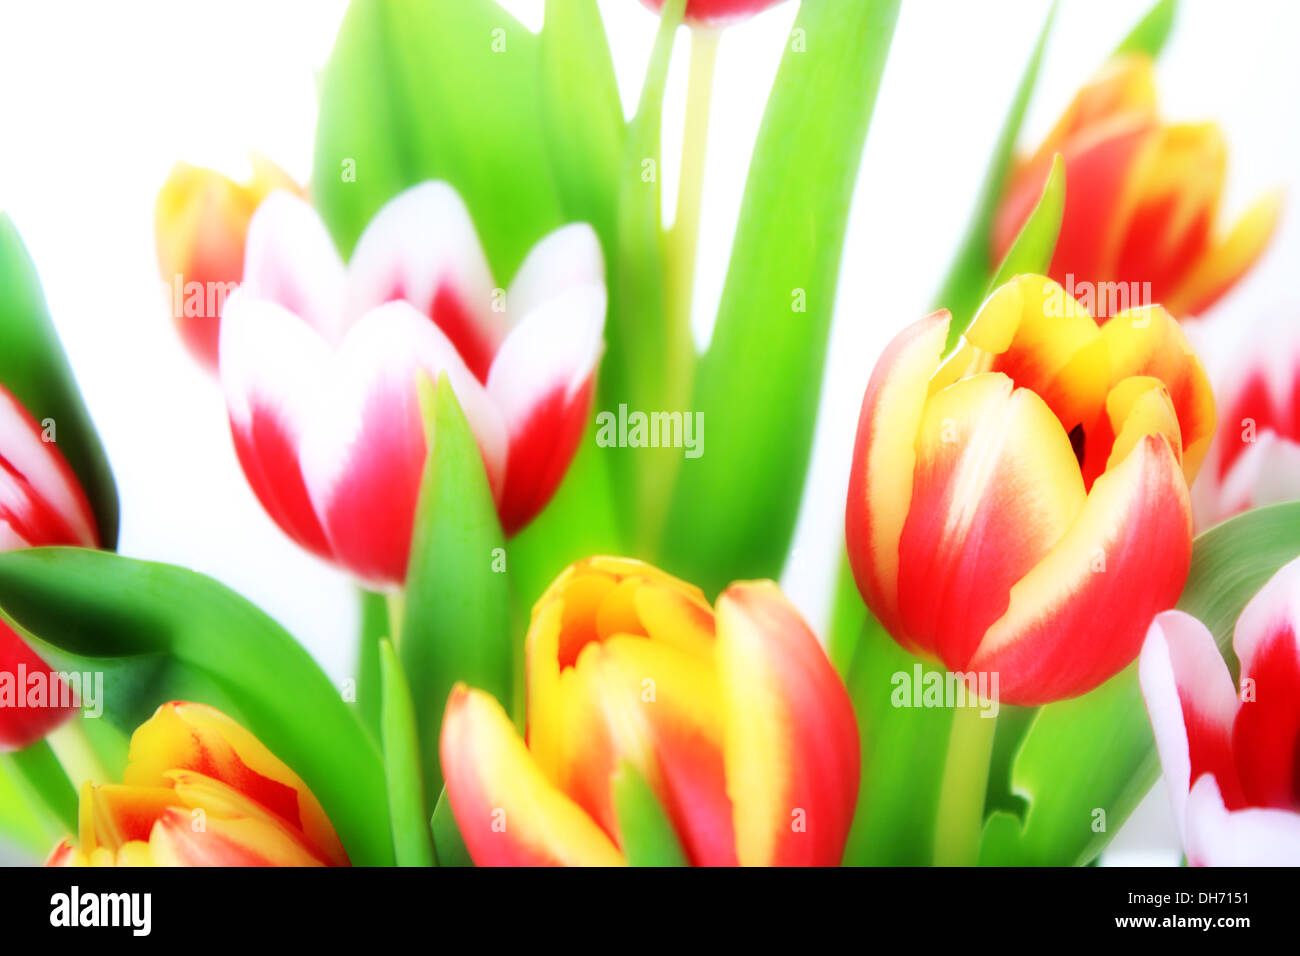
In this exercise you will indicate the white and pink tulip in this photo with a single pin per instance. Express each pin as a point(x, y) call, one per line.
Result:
point(319, 363)
point(1231, 754)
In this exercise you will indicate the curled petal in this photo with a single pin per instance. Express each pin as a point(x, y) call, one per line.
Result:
point(421, 247)
point(884, 456)
point(1219, 266)
point(1130, 548)
point(508, 812)
point(364, 450)
point(790, 736)
point(542, 382)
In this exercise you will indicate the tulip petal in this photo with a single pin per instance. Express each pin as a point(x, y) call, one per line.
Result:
point(41, 501)
point(193, 737)
point(1138, 406)
point(1148, 341)
point(1190, 700)
point(1266, 737)
point(290, 259)
point(507, 811)
point(790, 736)
point(884, 455)
point(996, 487)
point(1220, 266)
point(1130, 548)
point(569, 258)
point(21, 725)
point(1266, 473)
point(364, 450)
point(178, 839)
point(421, 247)
point(542, 382)
point(1217, 836)
point(273, 372)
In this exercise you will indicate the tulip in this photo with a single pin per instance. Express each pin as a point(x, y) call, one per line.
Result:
point(1231, 759)
point(1255, 457)
point(320, 363)
point(200, 220)
point(1142, 201)
point(717, 12)
point(1021, 508)
point(733, 716)
point(41, 503)
point(200, 790)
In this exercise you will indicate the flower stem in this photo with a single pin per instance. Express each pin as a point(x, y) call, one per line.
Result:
point(396, 611)
point(73, 750)
point(965, 782)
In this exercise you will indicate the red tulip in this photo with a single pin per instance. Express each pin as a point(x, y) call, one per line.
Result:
point(732, 714)
point(200, 790)
point(320, 365)
point(1231, 754)
point(1021, 508)
point(1141, 201)
point(41, 503)
point(200, 220)
point(717, 12)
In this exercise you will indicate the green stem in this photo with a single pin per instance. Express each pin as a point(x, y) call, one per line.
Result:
point(396, 610)
point(965, 785)
point(75, 754)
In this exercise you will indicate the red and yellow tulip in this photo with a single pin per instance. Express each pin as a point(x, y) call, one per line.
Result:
point(200, 790)
point(717, 12)
point(200, 221)
point(1021, 507)
point(732, 714)
point(1142, 198)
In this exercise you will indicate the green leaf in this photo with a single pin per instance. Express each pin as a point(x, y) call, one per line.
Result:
point(734, 508)
point(160, 633)
point(457, 621)
point(416, 91)
point(904, 751)
point(412, 839)
point(1152, 31)
point(968, 276)
point(447, 840)
point(646, 835)
point(37, 766)
point(35, 370)
point(27, 824)
point(647, 358)
point(1096, 751)
point(582, 114)
point(1034, 244)
point(374, 627)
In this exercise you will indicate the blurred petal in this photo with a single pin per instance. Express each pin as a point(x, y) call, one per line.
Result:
point(791, 739)
point(1250, 837)
point(541, 381)
point(1219, 267)
point(567, 259)
point(884, 456)
point(508, 813)
point(422, 247)
point(364, 451)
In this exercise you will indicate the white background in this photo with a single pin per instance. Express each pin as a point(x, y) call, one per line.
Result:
point(98, 100)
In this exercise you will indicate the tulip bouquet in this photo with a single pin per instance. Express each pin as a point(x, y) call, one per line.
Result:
point(458, 366)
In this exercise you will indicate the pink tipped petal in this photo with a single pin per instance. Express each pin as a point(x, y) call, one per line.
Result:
point(1190, 700)
point(290, 259)
point(41, 502)
point(364, 451)
point(1266, 737)
point(566, 259)
point(273, 372)
point(21, 726)
point(1217, 836)
point(421, 247)
point(542, 383)
point(1266, 473)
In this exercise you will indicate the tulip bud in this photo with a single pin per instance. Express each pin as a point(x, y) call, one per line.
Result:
point(717, 12)
point(200, 220)
point(1231, 753)
point(732, 714)
point(1002, 498)
point(41, 503)
point(200, 790)
point(1142, 201)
